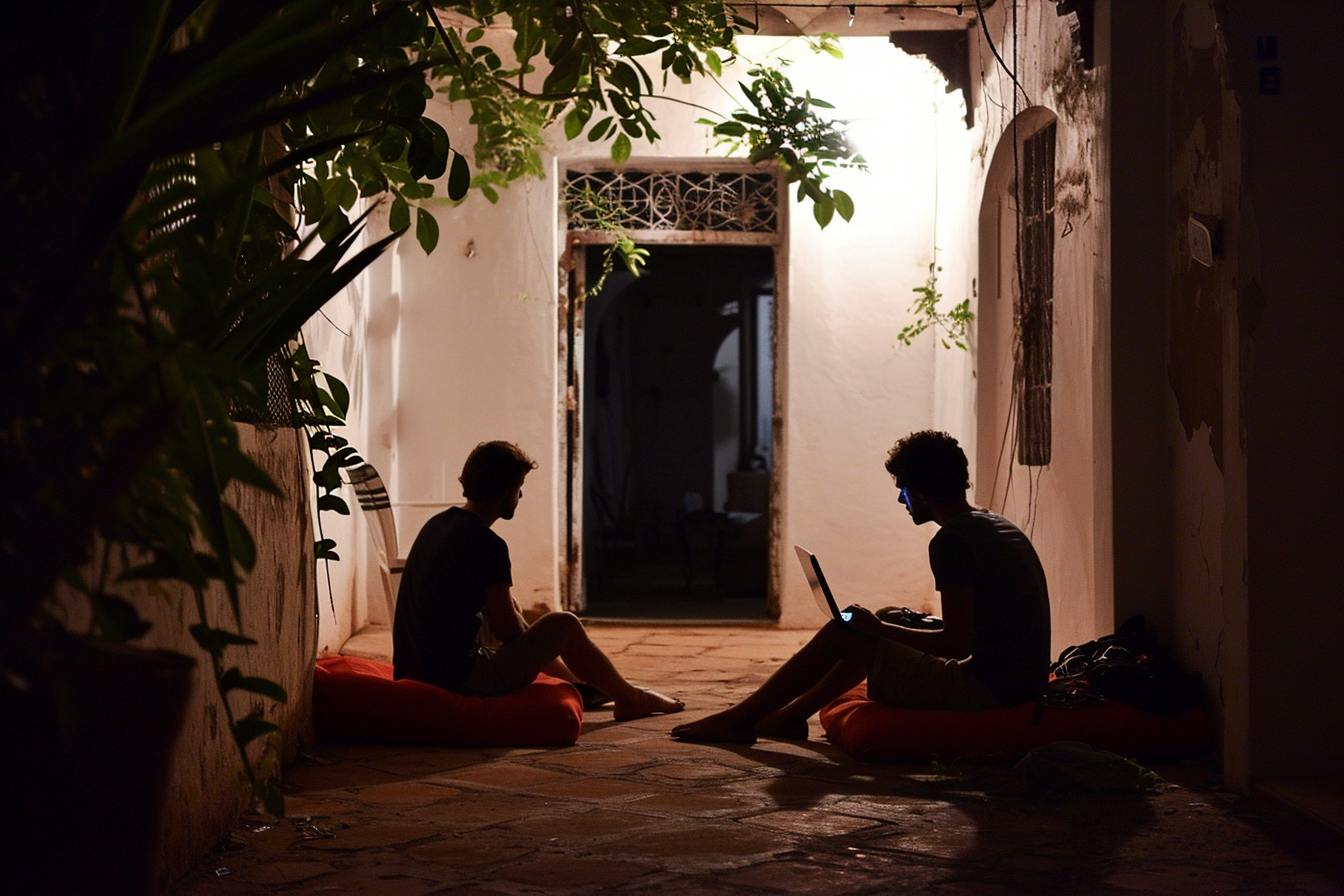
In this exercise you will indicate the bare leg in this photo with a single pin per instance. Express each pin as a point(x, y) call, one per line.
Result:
point(800, 675)
point(558, 669)
point(563, 635)
point(791, 721)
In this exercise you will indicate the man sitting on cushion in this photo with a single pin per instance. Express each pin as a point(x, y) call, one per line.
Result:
point(993, 649)
point(458, 575)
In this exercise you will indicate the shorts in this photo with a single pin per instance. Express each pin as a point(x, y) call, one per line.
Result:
point(911, 679)
point(490, 678)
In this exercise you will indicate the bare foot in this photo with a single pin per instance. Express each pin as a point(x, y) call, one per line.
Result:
point(645, 703)
point(719, 728)
point(774, 725)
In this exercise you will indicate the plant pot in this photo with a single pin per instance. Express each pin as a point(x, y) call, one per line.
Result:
point(89, 729)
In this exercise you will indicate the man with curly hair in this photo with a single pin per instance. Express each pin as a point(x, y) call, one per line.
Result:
point(993, 649)
point(457, 579)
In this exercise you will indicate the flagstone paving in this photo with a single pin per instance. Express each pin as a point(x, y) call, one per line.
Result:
point(627, 810)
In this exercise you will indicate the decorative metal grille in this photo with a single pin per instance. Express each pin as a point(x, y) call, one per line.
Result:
point(731, 201)
point(279, 407)
point(1035, 309)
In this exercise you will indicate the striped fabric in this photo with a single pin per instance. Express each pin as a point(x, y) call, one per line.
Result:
point(373, 499)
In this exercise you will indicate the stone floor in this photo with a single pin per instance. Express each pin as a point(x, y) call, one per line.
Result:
point(628, 810)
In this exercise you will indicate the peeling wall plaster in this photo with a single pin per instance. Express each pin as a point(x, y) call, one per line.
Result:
point(1065, 506)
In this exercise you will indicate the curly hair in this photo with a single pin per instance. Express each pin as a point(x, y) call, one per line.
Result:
point(931, 463)
point(493, 469)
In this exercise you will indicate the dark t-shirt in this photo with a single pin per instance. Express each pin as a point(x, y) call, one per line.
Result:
point(1010, 647)
point(442, 595)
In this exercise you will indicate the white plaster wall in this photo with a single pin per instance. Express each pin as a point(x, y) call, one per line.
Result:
point(1064, 506)
point(852, 388)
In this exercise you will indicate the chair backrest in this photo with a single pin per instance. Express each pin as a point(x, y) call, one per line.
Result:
point(373, 499)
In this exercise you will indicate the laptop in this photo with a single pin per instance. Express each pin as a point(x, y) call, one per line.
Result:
point(820, 590)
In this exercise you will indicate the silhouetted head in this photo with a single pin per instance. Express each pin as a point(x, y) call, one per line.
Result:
point(494, 471)
point(931, 463)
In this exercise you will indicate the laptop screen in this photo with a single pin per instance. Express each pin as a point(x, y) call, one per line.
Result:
point(821, 592)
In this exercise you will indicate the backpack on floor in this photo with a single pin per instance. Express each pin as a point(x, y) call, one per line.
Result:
point(1127, 666)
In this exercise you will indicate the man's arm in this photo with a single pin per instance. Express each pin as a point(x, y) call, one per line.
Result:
point(952, 641)
point(506, 620)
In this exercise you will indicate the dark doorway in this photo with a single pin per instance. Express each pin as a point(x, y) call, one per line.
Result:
point(677, 446)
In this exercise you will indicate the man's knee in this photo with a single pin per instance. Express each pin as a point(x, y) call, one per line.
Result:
point(561, 622)
point(840, 638)
point(833, 631)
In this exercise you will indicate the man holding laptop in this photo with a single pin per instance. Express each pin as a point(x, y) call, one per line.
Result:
point(993, 649)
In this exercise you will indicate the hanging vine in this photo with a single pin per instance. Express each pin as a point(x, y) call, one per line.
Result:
point(955, 323)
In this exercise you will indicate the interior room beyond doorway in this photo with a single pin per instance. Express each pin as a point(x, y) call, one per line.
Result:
point(677, 401)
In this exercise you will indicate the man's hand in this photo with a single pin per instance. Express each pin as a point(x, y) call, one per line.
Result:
point(864, 621)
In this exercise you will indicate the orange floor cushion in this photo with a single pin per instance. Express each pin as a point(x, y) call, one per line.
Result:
point(875, 732)
point(356, 699)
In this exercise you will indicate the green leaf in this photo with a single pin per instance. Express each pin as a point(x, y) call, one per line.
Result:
point(116, 618)
point(459, 182)
point(216, 521)
point(340, 459)
point(426, 230)
point(620, 149)
point(320, 440)
point(623, 76)
point(715, 63)
point(568, 69)
point(399, 215)
point(599, 130)
point(640, 46)
point(574, 123)
point(249, 728)
point(311, 199)
point(334, 503)
point(328, 478)
point(343, 192)
point(339, 393)
point(823, 211)
point(392, 145)
point(427, 156)
point(235, 466)
point(844, 205)
point(273, 801)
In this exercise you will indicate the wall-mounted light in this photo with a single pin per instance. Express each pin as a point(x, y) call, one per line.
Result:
point(1205, 236)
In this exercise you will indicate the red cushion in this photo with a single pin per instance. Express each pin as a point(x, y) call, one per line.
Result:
point(357, 699)
point(875, 732)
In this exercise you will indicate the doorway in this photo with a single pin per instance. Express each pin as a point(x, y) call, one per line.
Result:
point(676, 404)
